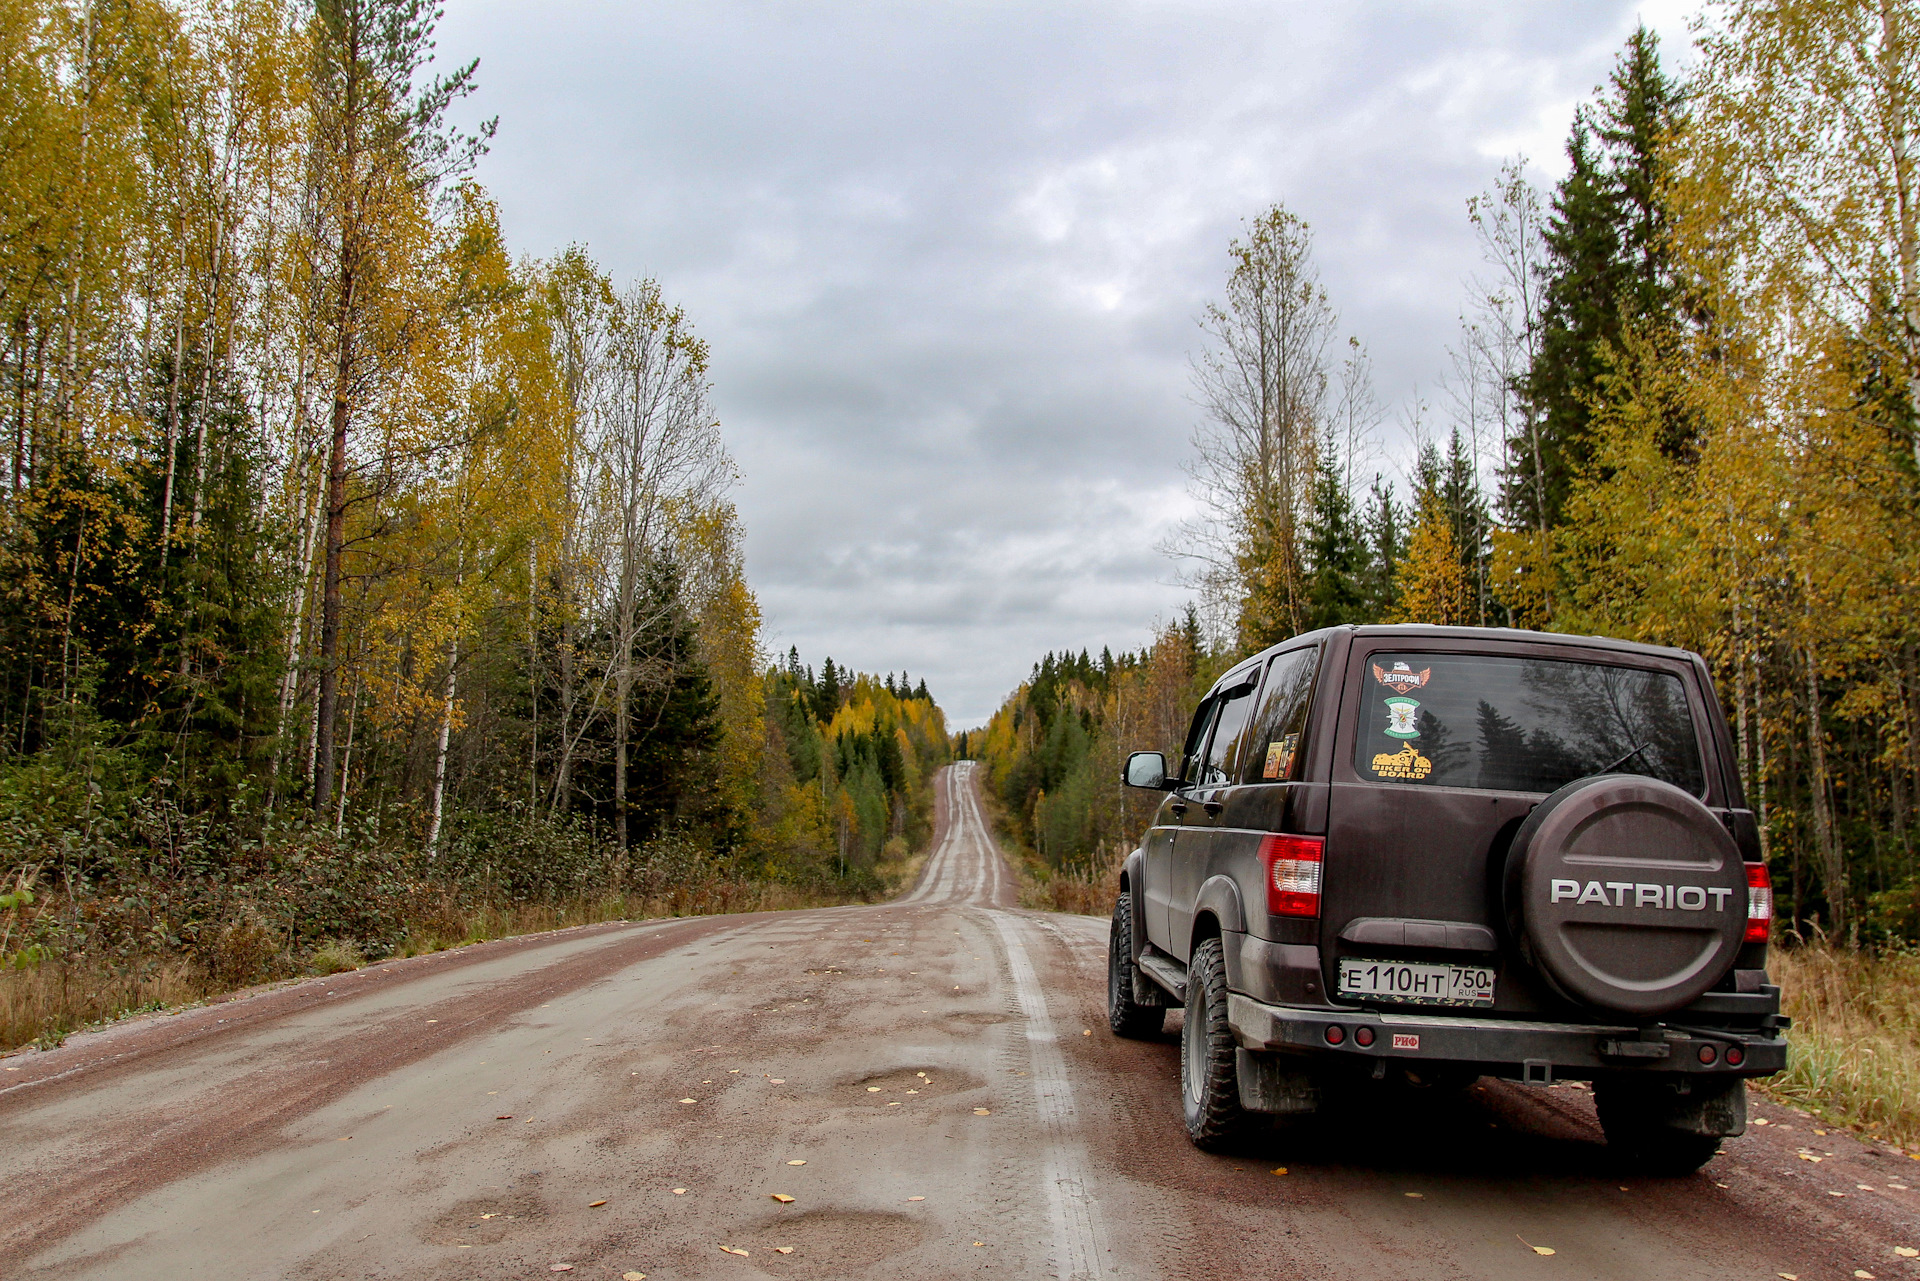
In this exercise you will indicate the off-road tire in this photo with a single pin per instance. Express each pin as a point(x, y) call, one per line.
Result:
point(1639, 1144)
point(1209, 1077)
point(1126, 1016)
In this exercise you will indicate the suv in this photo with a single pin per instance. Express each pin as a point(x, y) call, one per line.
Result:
point(1429, 854)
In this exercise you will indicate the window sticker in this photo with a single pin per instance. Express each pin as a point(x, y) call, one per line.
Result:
point(1280, 757)
point(1406, 763)
point(1400, 677)
point(1401, 712)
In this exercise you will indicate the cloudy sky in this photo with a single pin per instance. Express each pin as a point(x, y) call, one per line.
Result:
point(949, 259)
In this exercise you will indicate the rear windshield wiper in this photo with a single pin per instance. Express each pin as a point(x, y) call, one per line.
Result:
point(1622, 760)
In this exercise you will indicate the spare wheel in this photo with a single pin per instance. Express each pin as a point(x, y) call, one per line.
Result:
point(1627, 893)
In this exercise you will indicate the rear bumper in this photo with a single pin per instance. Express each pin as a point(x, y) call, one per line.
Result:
point(1523, 1051)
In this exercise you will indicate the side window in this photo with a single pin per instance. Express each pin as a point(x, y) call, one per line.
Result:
point(1197, 740)
point(1273, 748)
point(1227, 729)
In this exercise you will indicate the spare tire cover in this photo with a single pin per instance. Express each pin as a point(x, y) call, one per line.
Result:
point(1628, 892)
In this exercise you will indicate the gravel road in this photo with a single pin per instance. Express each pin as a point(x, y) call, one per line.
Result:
point(921, 1089)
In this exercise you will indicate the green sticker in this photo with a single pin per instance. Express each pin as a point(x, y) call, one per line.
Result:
point(1400, 717)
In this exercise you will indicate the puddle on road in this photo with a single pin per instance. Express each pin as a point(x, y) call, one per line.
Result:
point(877, 1089)
point(830, 1243)
point(486, 1220)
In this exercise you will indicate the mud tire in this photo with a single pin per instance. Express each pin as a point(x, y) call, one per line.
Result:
point(1209, 1073)
point(1125, 1016)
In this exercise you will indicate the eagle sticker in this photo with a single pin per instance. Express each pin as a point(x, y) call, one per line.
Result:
point(1406, 763)
point(1401, 678)
point(1401, 711)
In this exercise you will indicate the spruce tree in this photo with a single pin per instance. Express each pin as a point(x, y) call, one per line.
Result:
point(1385, 534)
point(1336, 551)
point(1608, 268)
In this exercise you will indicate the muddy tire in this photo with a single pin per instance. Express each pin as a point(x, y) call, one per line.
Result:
point(1126, 1016)
point(1209, 1075)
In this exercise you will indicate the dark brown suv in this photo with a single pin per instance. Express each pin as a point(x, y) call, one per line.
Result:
point(1429, 854)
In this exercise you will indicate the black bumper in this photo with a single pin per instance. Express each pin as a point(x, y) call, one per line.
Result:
point(1522, 1051)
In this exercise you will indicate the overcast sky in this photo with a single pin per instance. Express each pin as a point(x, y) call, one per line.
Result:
point(949, 259)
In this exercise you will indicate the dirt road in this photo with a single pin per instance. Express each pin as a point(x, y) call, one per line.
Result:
point(931, 1082)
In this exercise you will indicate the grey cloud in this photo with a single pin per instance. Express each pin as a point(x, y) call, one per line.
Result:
point(949, 260)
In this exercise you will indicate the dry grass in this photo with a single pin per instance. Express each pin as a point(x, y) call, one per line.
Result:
point(42, 1004)
point(1855, 1043)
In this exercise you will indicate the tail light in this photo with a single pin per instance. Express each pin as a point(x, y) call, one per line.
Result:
point(1292, 864)
point(1759, 903)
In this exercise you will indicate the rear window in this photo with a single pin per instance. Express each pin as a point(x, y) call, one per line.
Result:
point(1521, 724)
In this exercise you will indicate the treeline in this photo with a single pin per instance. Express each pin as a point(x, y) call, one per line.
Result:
point(349, 563)
point(1681, 409)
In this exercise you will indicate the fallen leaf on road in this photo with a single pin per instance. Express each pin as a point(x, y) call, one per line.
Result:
point(1537, 1249)
point(1281, 1170)
point(979, 1242)
point(689, 1100)
point(633, 1276)
point(1808, 1156)
point(776, 1080)
point(561, 1267)
point(1086, 1031)
point(894, 1104)
point(592, 1204)
point(1831, 1192)
point(1761, 1120)
point(796, 1163)
point(873, 1089)
point(1417, 1196)
point(344, 1138)
point(783, 1249)
point(1906, 1252)
point(1788, 1276)
point(781, 1197)
point(1821, 1133)
point(1862, 1274)
point(913, 1091)
point(504, 1116)
point(916, 1198)
point(1864, 1187)
point(727, 1249)
point(679, 1191)
point(981, 1112)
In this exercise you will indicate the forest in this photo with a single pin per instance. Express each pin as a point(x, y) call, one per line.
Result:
point(364, 587)
point(1680, 408)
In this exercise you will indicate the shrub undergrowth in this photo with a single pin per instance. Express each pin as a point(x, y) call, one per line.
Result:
point(167, 912)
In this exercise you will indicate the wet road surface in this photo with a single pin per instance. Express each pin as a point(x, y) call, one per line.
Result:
point(920, 1089)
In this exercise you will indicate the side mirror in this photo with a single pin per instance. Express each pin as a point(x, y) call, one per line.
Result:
point(1146, 769)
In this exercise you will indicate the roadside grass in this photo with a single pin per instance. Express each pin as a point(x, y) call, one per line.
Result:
point(1854, 1053)
point(42, 1003)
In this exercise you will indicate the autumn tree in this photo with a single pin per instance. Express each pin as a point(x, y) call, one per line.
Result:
point(380, 150)
point(1263, 381)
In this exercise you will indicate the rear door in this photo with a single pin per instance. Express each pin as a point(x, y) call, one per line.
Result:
point(1443, 751)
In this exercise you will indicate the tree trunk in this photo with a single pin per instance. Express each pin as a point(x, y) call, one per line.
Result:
point(1833, 868)
point(1893, 79)
point(440, 754)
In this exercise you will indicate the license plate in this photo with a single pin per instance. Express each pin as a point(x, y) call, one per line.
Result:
point(1417, 984)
